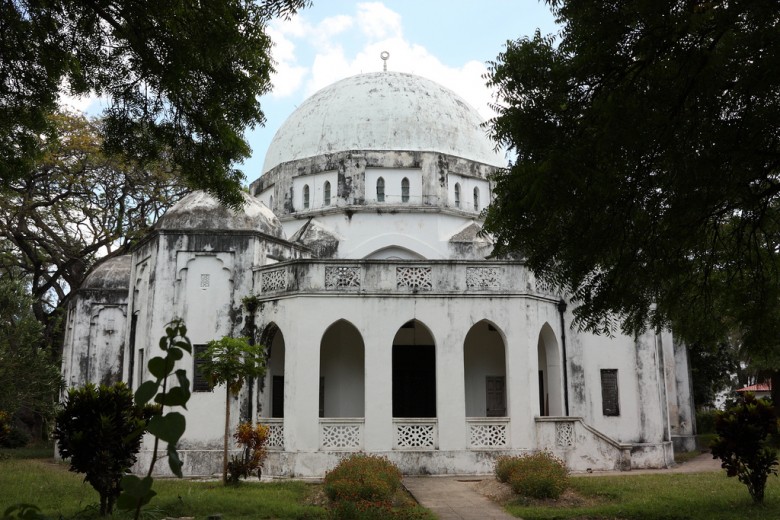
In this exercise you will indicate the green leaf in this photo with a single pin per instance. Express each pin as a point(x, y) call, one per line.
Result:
point(169, 427)
point(135, 486)
point(145, 392)
point(174, 354)
point(174, 462)
point(184, 345)
point(159, 368)
point(164, 343)
point(176, 396)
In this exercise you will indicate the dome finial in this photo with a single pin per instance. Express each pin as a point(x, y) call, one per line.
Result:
point(385, 56)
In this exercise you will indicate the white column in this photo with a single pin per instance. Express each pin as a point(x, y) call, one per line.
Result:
point(450, 386)
point(301, 387)
point(522, 377)
point(378, 340)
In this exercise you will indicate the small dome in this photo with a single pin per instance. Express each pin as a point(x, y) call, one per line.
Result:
point(383, 111)
point(113, 273)
point(201, 211)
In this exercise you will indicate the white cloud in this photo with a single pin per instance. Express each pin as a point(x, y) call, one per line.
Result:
point(326, 47)
point(378, 22)
point(289, 75)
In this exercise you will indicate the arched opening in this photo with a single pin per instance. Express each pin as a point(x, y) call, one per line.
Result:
point(484, 362)
point(326, 193)
point(380, 189)
point(342, 369)
point(305, 196)
point(414, 371)
point(405, 190)
point(550, 373)
point(457, 194)
point(272, 391)
point(271, 202)
point(476, 199)
point(394, 253)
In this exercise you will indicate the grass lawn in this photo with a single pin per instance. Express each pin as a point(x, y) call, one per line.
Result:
point(46, 483)
point(681, 496)
point(49, 485)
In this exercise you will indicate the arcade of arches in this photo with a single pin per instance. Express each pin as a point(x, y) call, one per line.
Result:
point(342, 372)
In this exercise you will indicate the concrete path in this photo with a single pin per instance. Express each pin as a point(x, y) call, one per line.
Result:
point(455, 498)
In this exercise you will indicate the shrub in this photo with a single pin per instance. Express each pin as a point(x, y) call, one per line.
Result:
point(705, 421)
point(363, 478)
point(743, 443)
point(253, 441)
point(505, 465)
point(539, 475)
point(99, 429)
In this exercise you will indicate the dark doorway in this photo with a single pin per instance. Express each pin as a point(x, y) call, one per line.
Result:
point(414, 381)
point(277, 396)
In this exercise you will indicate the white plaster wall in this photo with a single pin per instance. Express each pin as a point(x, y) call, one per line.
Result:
point(426, 234)
point(637, 393)
point(467, 185)
point(106, 341)
point(267, 197)
point(316, 197)
point(393, 178)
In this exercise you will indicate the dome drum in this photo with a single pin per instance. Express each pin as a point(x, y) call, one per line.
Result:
point(353, 177)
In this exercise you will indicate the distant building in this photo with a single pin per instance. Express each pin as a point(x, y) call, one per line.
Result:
point(760, 390)
point(390, 328)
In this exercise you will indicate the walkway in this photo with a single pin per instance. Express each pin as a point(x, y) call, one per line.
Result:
point(455, 498)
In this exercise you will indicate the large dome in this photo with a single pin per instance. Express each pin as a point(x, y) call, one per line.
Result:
point(382, 111)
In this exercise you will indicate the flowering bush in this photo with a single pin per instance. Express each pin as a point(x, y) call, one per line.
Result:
point(363, 477)
point(539, 475)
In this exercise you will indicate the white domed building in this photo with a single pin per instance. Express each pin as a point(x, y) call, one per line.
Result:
point(389, 327)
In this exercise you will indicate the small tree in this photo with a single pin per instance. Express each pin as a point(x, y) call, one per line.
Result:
point(742, 443)
point(231, 361)
point(99, 429)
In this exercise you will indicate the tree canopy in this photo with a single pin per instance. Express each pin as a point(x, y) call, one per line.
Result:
point(181, 79)
point(75, 205)
point(647, 167)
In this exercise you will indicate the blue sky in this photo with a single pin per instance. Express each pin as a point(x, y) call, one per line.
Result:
point(447, 41)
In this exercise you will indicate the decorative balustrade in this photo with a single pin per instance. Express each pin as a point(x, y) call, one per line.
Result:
point(488, 432)
point(415, 434)
point(341, 434)
point(393, 277)
point(275, 432)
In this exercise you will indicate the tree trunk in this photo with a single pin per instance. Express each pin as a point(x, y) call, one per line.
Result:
point(227, 434)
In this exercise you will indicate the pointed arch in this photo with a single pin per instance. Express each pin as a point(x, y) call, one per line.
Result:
point(380, 189)
point(405, 189)
point(272, 390)
point(342, 371)
point(457, 194)
point(414, 371)
point(326, 194)
point(306, 199)
point(550, 373)
point(484, 363)
point(476, 199)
